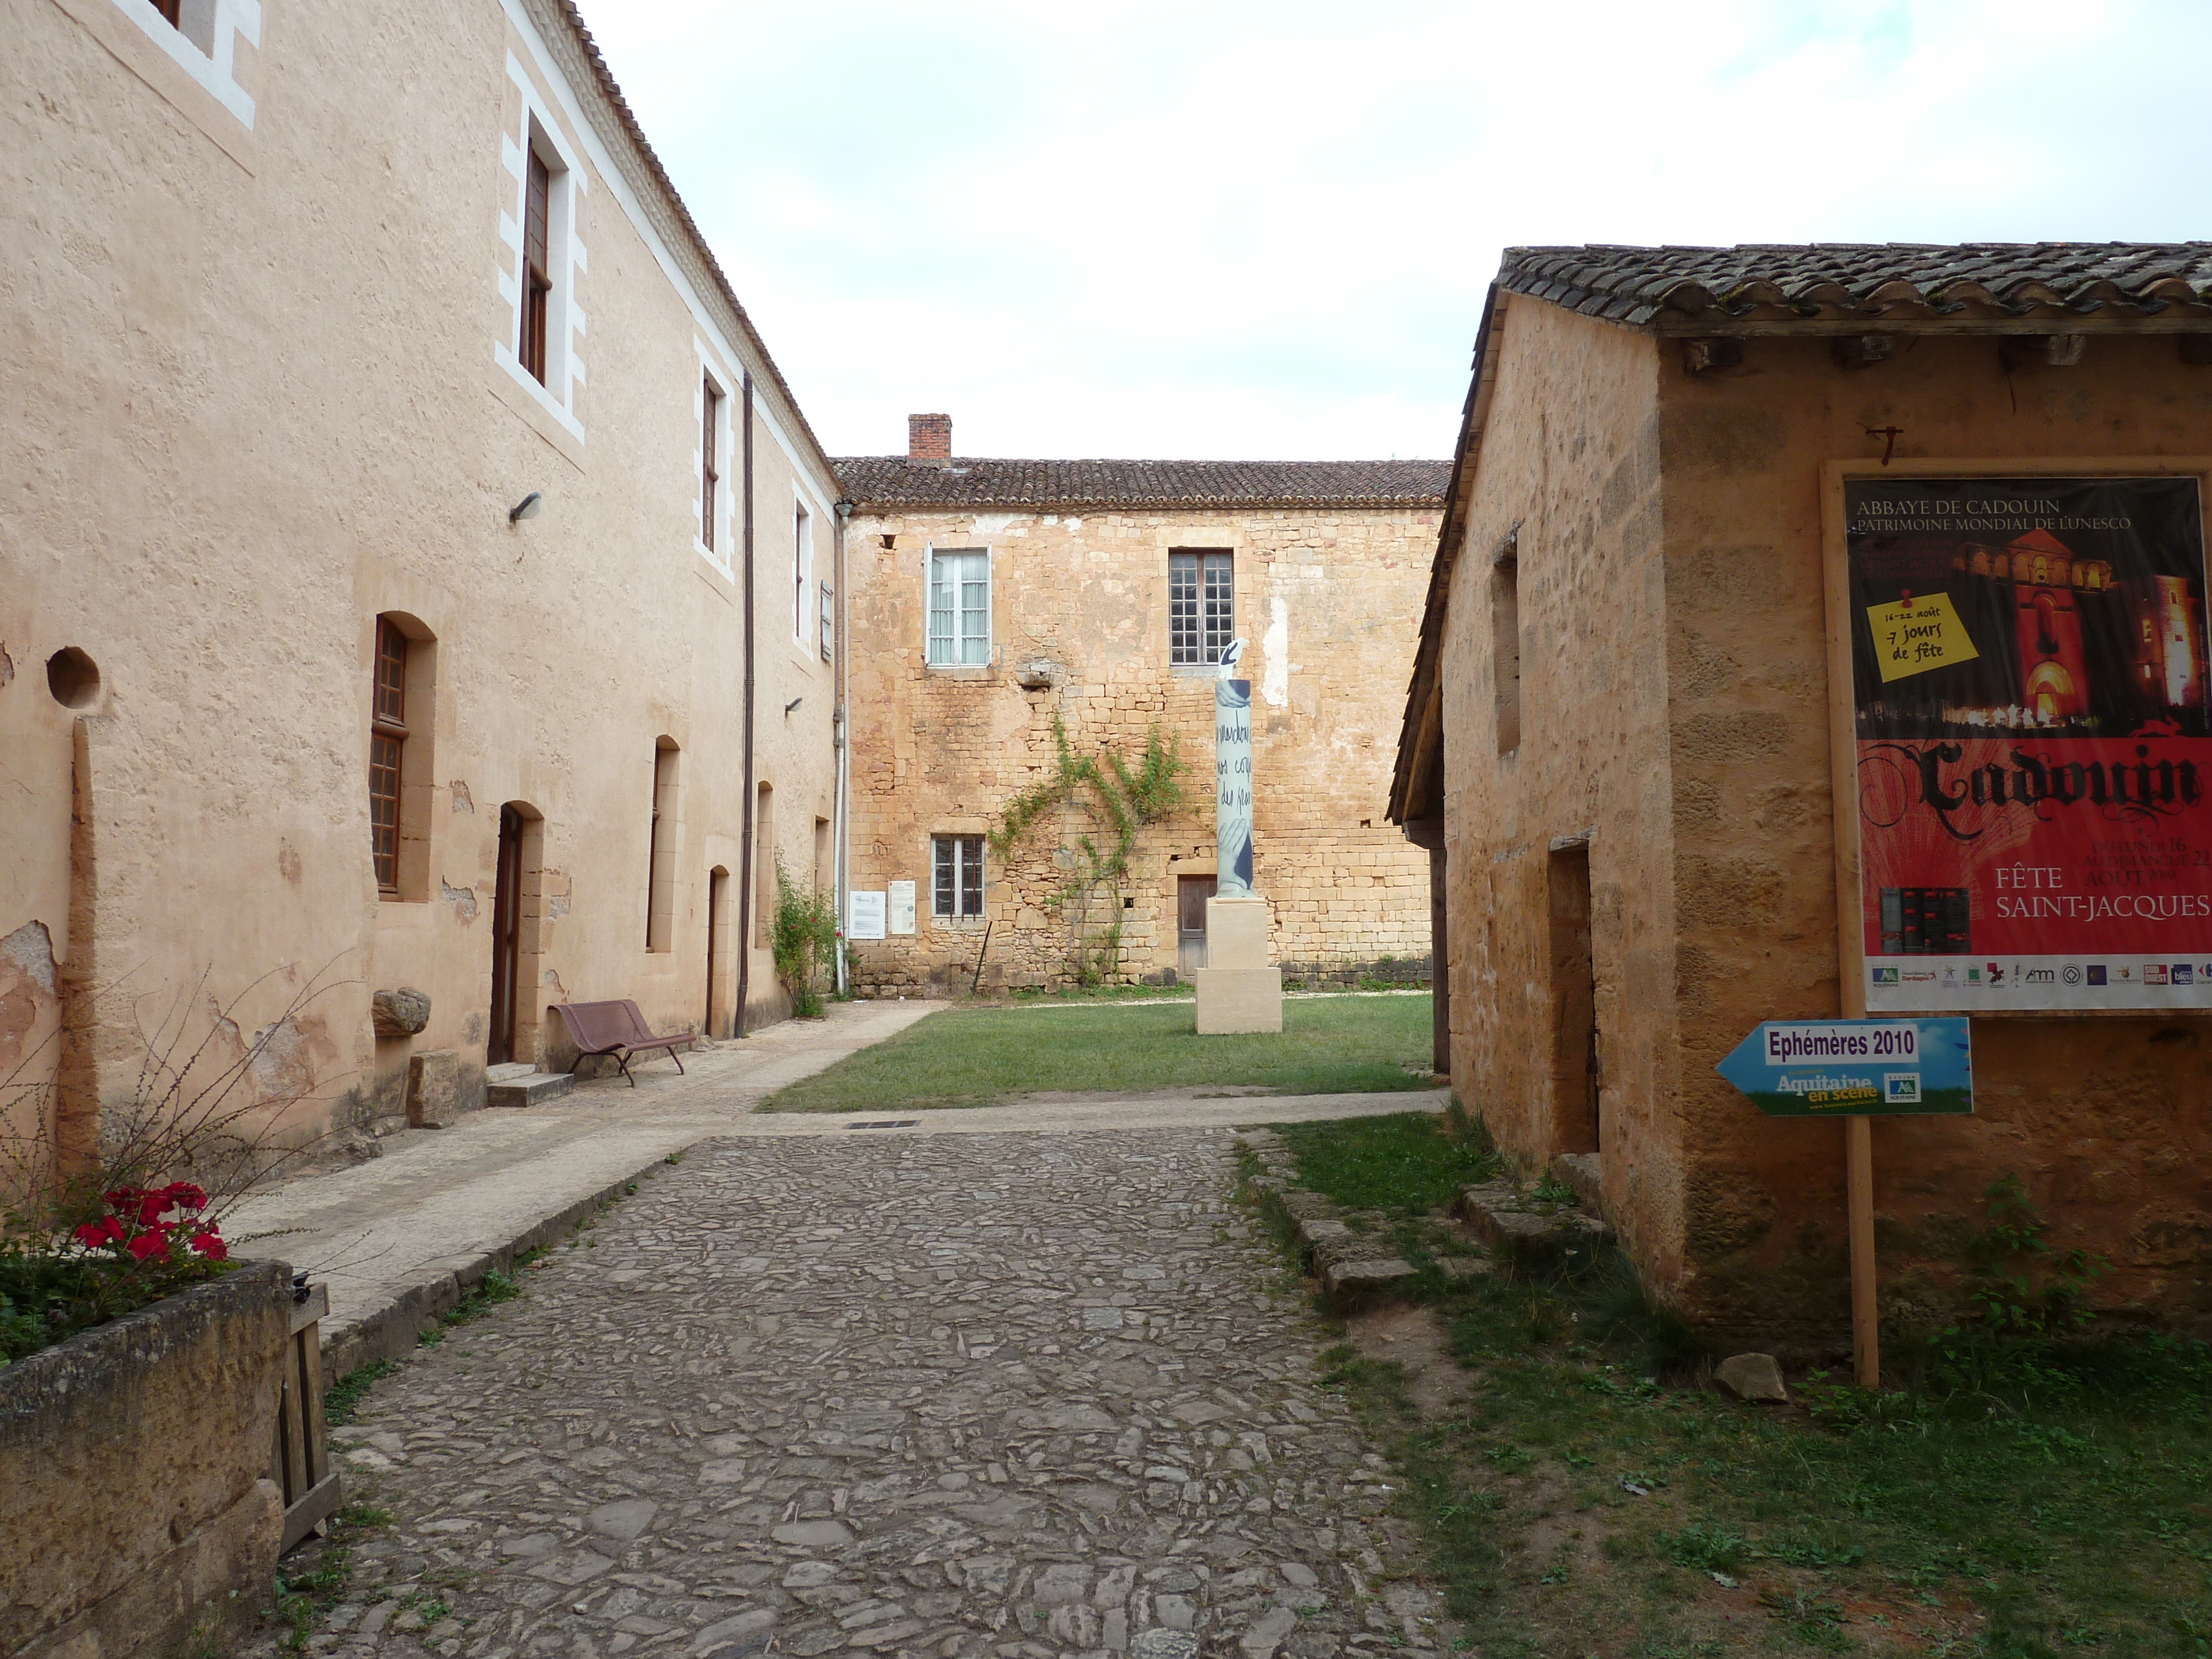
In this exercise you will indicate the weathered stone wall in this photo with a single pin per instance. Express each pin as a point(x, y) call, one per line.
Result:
point(1329, 600)
point(1675, 710)
point(1569, 477)
point(2103, 1117)
point(262, 407)
point(134, 1458)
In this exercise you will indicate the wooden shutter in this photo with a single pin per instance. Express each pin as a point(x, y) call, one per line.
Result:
point(537, 278)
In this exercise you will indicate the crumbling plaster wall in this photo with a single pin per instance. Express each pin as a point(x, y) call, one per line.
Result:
point(259, 407)
point(2105, 1119)
point(1569, 473)
point(1329, 600)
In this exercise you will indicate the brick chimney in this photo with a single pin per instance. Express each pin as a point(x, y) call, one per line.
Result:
point(928, 439)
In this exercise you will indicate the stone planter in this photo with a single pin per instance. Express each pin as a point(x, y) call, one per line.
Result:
point(134, 1465)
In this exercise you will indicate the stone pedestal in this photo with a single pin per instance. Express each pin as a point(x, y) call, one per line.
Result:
point(1237, 991)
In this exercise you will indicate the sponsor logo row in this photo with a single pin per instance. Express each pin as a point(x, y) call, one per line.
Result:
point(2000, 975)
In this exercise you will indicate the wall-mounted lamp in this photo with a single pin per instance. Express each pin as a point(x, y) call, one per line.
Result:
point(528, 508)
point(793, 704)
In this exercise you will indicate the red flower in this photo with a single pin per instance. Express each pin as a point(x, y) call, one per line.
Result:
point(211, 1245)
point(151, 1244)
point(151, 1206)
point(98, 1235)
point(186, 1196)
point(122, 1198)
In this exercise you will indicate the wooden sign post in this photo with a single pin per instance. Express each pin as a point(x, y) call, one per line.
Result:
point(1857, 1070)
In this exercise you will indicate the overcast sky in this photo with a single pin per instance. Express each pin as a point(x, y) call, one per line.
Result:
point(1264, 231)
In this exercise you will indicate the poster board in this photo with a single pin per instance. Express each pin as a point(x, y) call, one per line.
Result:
point(2022, 723)
point(864, 916)
point(899, 907)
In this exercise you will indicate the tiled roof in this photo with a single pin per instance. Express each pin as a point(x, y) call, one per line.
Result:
point(1889, 281)
point(893, 481)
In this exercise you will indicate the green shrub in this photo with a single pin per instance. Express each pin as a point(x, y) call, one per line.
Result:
point(804, 937)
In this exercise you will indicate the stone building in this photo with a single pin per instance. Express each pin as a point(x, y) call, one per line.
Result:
point(389, 471)
point(995, 600)
point(1630, 739)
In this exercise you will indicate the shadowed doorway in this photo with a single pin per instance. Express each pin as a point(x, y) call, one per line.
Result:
point(514, 916)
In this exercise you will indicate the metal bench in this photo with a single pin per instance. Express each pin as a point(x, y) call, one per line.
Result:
point(618, 1029)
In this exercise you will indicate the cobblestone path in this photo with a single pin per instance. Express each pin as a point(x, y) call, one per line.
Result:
point(1024, 1396)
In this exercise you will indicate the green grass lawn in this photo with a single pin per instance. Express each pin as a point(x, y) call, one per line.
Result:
point(983, 1057)
point(1586, 1494)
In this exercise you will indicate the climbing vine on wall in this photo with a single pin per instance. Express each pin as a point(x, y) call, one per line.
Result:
point(1122, 798)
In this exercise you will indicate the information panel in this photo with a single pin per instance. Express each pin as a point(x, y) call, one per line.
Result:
point(2034, 741)
point(865, 917)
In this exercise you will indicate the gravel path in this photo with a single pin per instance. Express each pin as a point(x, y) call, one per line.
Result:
point(1017, 1395)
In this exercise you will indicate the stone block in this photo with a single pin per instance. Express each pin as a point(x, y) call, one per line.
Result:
point(434, 1088)
point(1512, 1225)
point(1236, 932)
point(399, 1012)
point(125, 1408)
point(1753, 1376)
point(534, 1090)
point(1234, 999)
point(1366, 1275)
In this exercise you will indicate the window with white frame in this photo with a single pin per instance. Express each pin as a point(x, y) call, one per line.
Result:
point(539, 284)
point(710, 456)
point(802, 572)
point(957, 889)
point(959, 606)
point(1201, 606)
point(201, 37)
point(712, 413)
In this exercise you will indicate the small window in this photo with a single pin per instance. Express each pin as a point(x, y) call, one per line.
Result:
point(802, 571)
point(710, 403)
point(957, 889)
point(959, 607)
point(387, 744)
point(829, 621)
point(537, 265)
point(1505, 644)
point(1201, 607)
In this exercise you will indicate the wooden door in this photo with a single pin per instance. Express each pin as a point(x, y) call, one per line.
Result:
point(1191, 895)
point(506, 938)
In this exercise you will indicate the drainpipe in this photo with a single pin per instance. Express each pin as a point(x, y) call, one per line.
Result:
point(745, 851)
point(844, 741)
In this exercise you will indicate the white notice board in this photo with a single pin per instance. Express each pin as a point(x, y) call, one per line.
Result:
point(864, 917)
point(901, 907)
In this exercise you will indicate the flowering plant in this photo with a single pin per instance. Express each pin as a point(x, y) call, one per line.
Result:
point(155, 1224)
point(143, 1243)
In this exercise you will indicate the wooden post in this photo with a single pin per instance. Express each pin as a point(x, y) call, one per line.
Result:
point(1858, 1205)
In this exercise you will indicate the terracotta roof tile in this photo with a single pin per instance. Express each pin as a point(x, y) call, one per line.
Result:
point(893, 481)
point(1893, 281)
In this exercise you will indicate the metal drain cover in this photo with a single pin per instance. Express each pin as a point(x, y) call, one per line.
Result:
point(886, 1123)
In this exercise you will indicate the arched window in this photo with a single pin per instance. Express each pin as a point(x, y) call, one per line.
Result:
point(403, 701)
point(661, 849)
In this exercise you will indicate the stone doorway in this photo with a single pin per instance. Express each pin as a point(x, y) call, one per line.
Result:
point(1191, 895)
point(514, 916)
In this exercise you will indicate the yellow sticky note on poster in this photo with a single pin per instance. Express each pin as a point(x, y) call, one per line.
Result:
point(1915, 635)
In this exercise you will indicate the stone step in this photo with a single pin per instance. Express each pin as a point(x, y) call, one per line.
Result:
point(533, 1088)
point(510, 1069)
point(1516, 1227)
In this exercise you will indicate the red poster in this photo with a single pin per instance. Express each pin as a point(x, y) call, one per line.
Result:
point(2035, 726)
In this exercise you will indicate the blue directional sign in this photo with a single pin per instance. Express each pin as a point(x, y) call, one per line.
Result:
point(1854, 1068)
